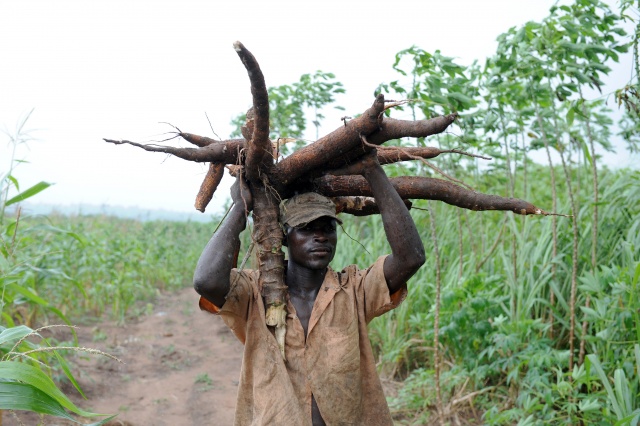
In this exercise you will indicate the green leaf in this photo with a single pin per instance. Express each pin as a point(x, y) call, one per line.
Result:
point(38, 300)
point(589, 313)
point(14, 181)
point(11, 228)
point(8, 320)
point(28, 193)
point(67, 371)
point(589, 405)
point(80, 238)
point(438, 99)
point(636, 278)
point(33, 376)
point(585, 150)
point(28, 294)
point(572, 47)
point(605, 382)
point(596, 48)
point(14, 333)
point(623, 48)
point(570, 116)
point(623, 391)
point(465, 100)
point(20, 396)
point(631, 419)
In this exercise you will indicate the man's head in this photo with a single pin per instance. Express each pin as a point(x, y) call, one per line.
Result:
point(309, 222)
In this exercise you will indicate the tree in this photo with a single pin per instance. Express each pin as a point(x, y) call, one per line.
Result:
point(314, 167)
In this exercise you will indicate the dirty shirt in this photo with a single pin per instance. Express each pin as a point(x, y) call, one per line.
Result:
point(334, 363)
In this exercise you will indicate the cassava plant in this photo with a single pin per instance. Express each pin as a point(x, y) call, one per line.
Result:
point(317, 167)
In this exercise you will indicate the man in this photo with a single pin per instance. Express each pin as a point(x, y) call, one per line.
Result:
point(329, 375)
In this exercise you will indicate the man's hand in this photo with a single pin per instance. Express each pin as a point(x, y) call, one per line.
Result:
point(364, 165)
point(211, 277)
point(241, 194)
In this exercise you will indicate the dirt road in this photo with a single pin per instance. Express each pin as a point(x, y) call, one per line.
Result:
point(180, 367)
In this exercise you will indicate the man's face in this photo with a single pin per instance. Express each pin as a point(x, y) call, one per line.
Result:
point(314, 245)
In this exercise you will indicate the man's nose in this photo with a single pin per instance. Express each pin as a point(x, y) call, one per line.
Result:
point(319, 235)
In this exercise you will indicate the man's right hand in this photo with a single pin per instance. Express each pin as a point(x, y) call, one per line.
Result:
point(211, 277)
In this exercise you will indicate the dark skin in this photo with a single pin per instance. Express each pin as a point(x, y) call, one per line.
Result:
point(312, 247)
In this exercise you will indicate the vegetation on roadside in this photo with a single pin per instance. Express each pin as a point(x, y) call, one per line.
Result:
point(504, 348)
point(26, 357)
point(538, 320)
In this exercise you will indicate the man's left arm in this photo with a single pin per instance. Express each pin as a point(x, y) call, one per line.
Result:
point(407, 252)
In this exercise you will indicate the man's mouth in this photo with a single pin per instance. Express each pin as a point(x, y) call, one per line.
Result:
point(321, 250)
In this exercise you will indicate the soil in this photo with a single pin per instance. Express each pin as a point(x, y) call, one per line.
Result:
point(180, 366)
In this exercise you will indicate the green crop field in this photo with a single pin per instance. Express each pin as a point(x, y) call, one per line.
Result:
point(86, 266)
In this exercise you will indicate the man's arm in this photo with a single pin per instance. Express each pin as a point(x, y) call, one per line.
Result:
point(407, 251)
point(212, 274)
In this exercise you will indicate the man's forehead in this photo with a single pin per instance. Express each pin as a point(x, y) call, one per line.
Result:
point(321, 221)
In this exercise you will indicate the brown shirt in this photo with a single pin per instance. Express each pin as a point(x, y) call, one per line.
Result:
point(334, 363)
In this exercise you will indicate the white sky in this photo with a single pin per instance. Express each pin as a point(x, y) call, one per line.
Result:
point(116, 69)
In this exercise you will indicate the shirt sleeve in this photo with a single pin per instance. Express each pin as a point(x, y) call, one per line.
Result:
point(236, 308)
point(373, 288)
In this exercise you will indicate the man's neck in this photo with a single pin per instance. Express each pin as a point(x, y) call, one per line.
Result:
point(304, 282)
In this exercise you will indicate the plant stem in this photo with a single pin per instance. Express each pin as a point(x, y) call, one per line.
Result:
point(554, 223)
point(436, 323)
point(460, 245)
point(594, 227)
point(574, 254)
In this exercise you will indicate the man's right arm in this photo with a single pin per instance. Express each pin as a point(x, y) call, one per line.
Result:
point(212, 275)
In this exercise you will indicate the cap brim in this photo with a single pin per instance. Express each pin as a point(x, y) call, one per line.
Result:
point(302, 221)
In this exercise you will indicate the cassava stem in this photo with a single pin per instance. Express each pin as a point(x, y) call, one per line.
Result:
point(267, 233)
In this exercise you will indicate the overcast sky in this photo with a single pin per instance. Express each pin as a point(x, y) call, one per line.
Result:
point(117, 69)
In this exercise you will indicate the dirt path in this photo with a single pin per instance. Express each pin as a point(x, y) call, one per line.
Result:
point(181, 367)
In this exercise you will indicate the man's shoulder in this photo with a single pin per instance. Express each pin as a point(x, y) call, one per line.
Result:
point(347, 271)
point(354, 272)
point(243, 278)
point(245, 272)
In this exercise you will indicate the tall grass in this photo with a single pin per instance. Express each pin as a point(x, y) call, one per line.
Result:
point(494, 329)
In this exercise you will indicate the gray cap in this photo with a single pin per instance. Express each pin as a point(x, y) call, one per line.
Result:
point(304, 208)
